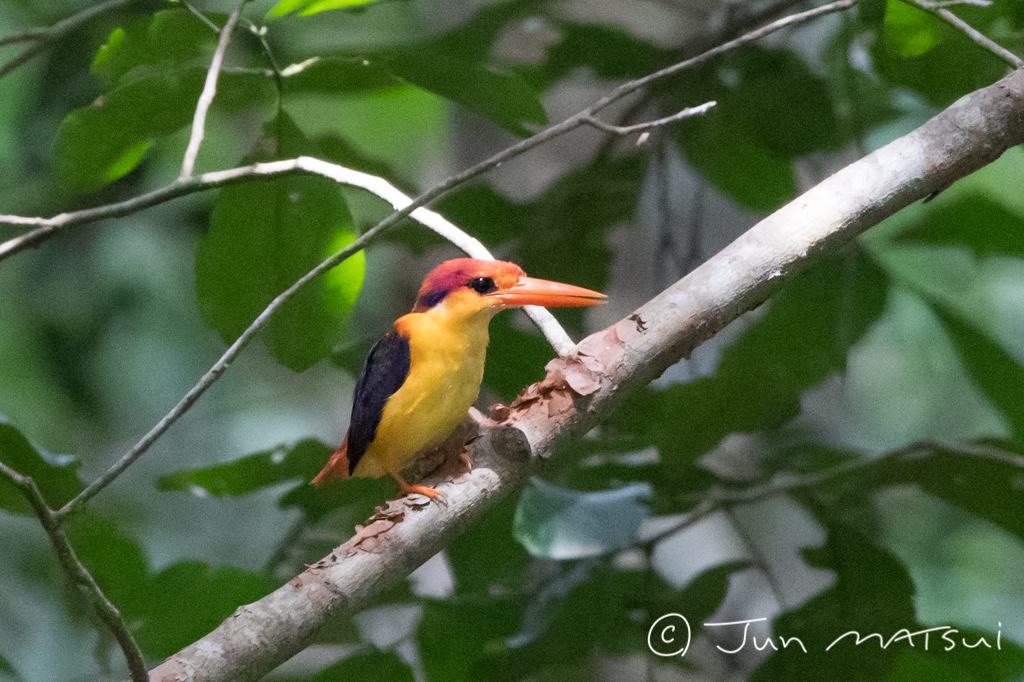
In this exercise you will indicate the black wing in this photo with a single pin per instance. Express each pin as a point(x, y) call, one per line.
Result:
point(386, 369)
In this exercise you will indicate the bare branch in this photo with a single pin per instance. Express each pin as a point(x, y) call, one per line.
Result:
point(938, 9)
point(782, 484)
point(206, 98)
point(571, 123)
point(971, 133)
point(200, 16)
point(640, 127)
point(43, 37)
point(78, 574)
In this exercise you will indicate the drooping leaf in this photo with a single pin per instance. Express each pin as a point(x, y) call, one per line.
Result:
point(557, 523)
point(189, 599)
point(265, 236)
point(55, 475)
point(300, 463)
point(999, 376)
point(986, 486)
point(746, 144)
point(502, 97)
point(153, 72)
point(611, 52)
point(254, 472)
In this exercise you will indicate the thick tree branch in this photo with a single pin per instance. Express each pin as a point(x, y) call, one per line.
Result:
point(971, 133)
point(78, 574)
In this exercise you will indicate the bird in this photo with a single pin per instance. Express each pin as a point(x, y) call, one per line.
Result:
point(422, 377)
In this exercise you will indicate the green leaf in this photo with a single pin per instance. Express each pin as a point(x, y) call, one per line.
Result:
point(988, 487)
point(999, 376)
point(910, 32)
point(115, 561)
point(873, 593)
point(803, 338)
point(453, 634)
point(504, 98)
point(985, 227)
point(189, 599)
point(254, 472)
point(152, 72)
point(923, 53)
point(280, 465)
point(486, 558)
point(265, 236)
point(556, 523)
point(310, 7)
point(610, 52)
point(55, 475)
point(596, 606)
point(783, 104)
point(771, 108)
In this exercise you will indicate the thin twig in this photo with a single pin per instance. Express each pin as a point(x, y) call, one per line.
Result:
point(571, 123)
point(79, 574)
point(639, 127)
point(938, 9)
point(206, 98)
point(42, 37)
point(200, 16)
point(717, 499)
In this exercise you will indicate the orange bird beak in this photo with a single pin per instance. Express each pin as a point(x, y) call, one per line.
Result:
point(530, 291)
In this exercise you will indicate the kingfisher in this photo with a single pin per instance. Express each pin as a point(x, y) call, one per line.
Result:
point(422, 377)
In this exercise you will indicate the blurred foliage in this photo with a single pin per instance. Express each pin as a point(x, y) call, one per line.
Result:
point(896, 362)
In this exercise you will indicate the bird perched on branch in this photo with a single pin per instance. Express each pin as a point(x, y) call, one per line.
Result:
point(422, 377)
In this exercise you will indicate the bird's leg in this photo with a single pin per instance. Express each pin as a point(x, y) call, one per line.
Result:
point(464, 458)
point(421, 489)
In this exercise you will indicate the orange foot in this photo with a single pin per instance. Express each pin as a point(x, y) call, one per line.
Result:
point(464, 458)
point(421, 489)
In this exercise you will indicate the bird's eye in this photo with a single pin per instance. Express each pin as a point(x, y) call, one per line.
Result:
point(482, 285)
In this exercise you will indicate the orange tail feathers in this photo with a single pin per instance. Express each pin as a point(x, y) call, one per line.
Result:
point(337, 466)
